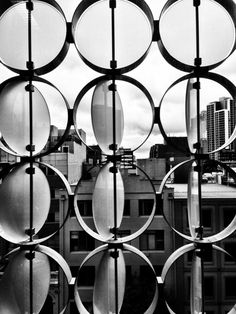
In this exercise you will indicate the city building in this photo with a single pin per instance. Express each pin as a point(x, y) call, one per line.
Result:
point(218, 205)
point(173, 152)
point(221, 122)
point(68, 159)
point(156, 242)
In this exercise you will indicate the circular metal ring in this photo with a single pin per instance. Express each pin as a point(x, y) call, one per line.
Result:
point(178, 32)
point(48, 25)
point(13, 111)
point(225, 83)
point(124, 239)
point(103, 248)
point(209, 239)
point(133, 27)
point(13, 185)
point(122, 78)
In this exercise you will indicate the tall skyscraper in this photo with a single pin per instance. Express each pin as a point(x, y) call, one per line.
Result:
point(221, 122)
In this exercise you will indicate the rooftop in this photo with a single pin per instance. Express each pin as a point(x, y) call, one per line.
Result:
point(210, 190)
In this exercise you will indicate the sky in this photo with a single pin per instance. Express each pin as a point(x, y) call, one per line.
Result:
point(154, 73)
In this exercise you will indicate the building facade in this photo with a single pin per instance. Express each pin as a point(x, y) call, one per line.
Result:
point(221, 122)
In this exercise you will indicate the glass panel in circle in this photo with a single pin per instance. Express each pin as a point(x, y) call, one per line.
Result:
point(103, 201)
point(104, 297)
point(178, 29)
point(93, 38)
point(196, 285)
point(102, 116)
point(15, 284)
point(15, 203)
point(193, 201)
point(15, 118)
point(191, 114)
point(48, 35)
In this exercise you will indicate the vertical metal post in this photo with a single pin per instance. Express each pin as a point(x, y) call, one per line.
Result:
point(198, 62)
point(30, 148)
point(114, 145)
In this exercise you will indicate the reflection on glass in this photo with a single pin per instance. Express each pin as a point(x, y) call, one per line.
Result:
point(15, 203)
point(103, 201)
point(193, 201)
point(15, 284)
point(93, 38)
point(177, 25)
point(191, 114)
point(48, 35)
point(196, 285)
point(102, 116)
point(15, 118)
point(104, 296)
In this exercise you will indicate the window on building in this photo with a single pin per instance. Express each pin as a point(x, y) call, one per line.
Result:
point(207, 217)
point(229, 214)
point(209, 287)
point(230, 283)
point(230, 247)
point(145, 207)
point(127, 208)
point(65, 149)
point(85, 207)
point(159, 207)
point(152, 240)
point(81, 241)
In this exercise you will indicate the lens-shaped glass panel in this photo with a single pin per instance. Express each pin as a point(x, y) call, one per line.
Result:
point(196, 285)
point(191, 114)
point(103, 201)
point(93, 33)
point(178, 33)
point(107, 115)
point(193, 201)
point(15, 118)
point(15, 284)
point(136, 102)
point(48, 35)
point(15, 203)
point(105, 289)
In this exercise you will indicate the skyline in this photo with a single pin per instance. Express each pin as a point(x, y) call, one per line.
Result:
point(154, 73)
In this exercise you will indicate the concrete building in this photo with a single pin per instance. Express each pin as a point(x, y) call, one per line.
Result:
point(156, 242)
point(218, 206)
point(70, 156)
point(173, 153)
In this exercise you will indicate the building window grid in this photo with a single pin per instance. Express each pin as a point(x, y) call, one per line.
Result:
point(152, 240)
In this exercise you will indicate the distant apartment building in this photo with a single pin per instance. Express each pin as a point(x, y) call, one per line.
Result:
point(221, 122)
